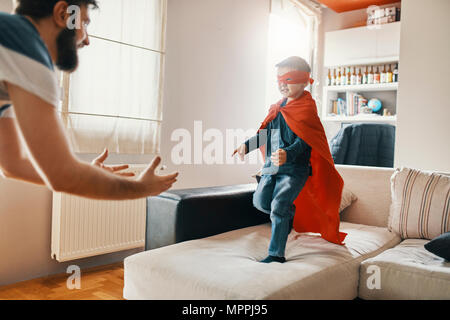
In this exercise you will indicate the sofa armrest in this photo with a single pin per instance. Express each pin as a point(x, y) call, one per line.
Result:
point(188, 214)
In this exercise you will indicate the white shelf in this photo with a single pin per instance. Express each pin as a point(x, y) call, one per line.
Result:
point(365, 118)
point(365, 87)
point(363, 62)
point(363, 45)
point(358, 47)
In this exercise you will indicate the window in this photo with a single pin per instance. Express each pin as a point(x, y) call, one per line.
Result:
point(114, 99)
point(293, 31)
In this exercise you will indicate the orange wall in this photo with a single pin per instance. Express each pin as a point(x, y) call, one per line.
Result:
point(349, 5)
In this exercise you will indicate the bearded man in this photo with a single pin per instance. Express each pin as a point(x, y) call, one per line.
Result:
point(33, 143)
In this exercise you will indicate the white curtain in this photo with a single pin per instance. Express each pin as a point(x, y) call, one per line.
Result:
point(293, 31)
point(115, 96)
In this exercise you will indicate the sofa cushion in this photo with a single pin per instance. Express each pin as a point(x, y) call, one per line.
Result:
point(440, 246)
point(226, 266)
point(347, 199)
point(371, 185)
point(407, 271)
point(420, 204)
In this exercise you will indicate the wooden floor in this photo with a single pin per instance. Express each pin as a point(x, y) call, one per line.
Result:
point(101, 283)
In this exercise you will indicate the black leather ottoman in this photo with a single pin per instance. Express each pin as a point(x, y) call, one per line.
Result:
point(188, 214)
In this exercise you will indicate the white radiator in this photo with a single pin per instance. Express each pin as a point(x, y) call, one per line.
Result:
point(83, 227)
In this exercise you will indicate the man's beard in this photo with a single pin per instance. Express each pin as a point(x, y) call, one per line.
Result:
point(67, 50)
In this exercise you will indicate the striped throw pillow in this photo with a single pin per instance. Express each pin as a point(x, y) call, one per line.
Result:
point(420, 203)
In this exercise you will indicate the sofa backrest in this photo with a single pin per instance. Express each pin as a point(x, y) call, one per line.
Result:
point(372, 187)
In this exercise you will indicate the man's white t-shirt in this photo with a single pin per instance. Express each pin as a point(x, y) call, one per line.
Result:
point(24, 62)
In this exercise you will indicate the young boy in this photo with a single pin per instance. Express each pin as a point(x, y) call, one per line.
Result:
point(292, 136)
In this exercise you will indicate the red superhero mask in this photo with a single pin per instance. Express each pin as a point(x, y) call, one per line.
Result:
point(295, 77)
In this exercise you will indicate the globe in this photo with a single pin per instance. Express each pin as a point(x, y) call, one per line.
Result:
point(375, 105)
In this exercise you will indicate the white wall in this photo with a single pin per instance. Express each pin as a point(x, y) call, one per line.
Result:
point(6, 5)
point(423, 122)
point(215, 72)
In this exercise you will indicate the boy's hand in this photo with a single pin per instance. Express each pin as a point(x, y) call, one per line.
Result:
point(241, 151)
point(279, 157)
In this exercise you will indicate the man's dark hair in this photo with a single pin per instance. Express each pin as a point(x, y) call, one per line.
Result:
point(39, 9)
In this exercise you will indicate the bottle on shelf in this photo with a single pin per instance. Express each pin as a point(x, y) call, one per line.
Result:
point(365, 75)
point(333, 78)
point(343, 77)
point(376, 75)
point(349, 77)
point(329, 77)
point(353, 76)
point(370, 75)
point(383, 74)
point(389, 74)
point(358, 76)
point(338, 77)
point(395, 73)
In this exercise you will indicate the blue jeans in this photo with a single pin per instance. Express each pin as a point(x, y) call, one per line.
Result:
point(275, 195)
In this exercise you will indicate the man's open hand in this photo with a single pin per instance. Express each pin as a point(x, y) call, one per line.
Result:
point(279, 157)
point(113, 169)
point(154, 184)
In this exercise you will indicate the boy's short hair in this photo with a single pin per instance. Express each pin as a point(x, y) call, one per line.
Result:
point(296, 63)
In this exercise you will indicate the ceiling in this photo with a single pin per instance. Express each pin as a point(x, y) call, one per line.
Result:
point(349, 5)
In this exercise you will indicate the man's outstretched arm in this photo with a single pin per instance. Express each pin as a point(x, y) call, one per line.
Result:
point(13, 162)
point(51, 156)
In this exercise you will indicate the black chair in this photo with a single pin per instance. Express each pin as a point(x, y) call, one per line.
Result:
point(364, 144)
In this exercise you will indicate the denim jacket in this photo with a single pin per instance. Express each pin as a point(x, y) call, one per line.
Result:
point(278, 135)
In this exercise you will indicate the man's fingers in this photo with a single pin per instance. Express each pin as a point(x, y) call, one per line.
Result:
point(103, 156)
point(169, 181)
point(169, 177)
point(120, 167)
point(167, 185)
point(155, 163)
point(125, 174)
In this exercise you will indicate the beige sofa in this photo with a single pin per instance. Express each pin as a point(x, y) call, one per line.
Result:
point(374, 263)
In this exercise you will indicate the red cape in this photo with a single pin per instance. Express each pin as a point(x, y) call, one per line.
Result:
point(317, 205)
